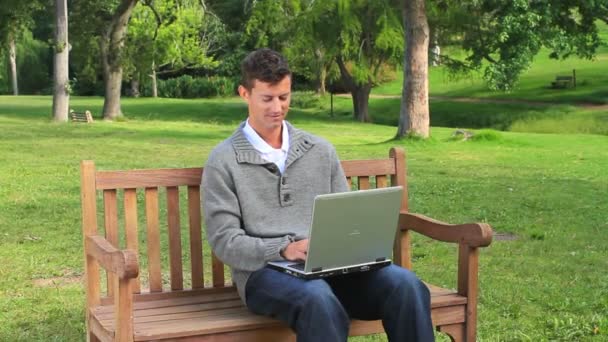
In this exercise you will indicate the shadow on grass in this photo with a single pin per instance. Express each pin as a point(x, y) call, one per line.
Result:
point(480, 115)
point(215, 111)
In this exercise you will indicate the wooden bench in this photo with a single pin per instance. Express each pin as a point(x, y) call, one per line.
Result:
point(151, 288)
point(566, 81)
point(81, 116)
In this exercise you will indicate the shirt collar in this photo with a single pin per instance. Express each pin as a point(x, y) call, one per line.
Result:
point(262, 146)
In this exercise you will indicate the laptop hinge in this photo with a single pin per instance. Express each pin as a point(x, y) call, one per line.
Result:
point(317, 269)
point(380, 259)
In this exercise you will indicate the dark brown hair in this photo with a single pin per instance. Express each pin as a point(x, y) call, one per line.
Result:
point(264, 65)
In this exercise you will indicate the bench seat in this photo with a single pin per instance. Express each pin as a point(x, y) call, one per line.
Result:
point(209, 312)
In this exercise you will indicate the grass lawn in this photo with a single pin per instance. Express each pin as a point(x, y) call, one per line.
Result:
point(549, 190)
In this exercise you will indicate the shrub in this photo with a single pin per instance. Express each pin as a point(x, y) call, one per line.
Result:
point(305, 100)
point(190, 87)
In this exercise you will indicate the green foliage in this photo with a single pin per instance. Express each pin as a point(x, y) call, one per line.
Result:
point(306, 100)
point(371, 34)
point(16, 17)
point(170, 36)
point(188, 87)
point(509, 34)
point(33, 60)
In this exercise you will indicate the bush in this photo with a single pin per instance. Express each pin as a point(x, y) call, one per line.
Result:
point(189, 87)
point(305, 100)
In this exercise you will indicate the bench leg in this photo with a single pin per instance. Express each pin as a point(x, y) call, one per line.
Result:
point(456, 332)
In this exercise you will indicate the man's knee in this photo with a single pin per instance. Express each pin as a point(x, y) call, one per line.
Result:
point(403, 282)
point(317, 294)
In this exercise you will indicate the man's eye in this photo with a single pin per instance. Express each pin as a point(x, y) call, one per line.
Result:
point(283, 98)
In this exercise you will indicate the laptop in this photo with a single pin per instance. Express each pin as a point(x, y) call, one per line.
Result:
point(350, 232)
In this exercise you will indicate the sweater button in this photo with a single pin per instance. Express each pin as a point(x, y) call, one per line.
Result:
point(284, 180)
point(286, 198)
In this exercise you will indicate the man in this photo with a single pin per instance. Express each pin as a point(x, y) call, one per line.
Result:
point(258, 190)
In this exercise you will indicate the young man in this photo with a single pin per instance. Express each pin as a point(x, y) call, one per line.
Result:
point(259, 187)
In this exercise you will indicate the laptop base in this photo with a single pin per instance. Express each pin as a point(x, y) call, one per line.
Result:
point(328, 273)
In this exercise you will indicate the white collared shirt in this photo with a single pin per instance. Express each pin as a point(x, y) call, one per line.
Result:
point(278, 156)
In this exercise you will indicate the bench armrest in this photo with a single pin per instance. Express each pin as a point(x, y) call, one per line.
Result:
point(472, 234)
point(121, 262)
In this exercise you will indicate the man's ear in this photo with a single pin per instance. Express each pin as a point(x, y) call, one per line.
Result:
point(243, 92)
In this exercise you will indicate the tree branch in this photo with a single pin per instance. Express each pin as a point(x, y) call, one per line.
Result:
point(159, 21)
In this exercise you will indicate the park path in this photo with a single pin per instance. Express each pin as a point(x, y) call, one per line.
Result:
point(592, 106)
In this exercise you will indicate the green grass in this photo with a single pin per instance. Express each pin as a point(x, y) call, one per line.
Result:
point(549, 190)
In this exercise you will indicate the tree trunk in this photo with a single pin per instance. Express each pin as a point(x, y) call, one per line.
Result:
point(414, 115)
point(111, 103)
point(154, 86)
point(112, 44)
point(434, 48)
point(12, 56)
point(359, 93)
point(360, 96)
point(134, 87)
point(61, 95)
point(320, 82)
point(321, 72)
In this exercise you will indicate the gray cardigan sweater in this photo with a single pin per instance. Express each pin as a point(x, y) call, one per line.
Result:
point(252, 211)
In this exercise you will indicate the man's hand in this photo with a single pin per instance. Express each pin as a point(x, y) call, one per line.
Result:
point(296, 251)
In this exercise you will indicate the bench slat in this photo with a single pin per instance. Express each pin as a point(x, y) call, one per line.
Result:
point(148, 178)
point(175, 241)
point(363, 183)
point(111, 227)
point(153, 235)
point(217, 268)
point(381, 181)
point(200, 298)
point(131, 228)
point(189, 307)
point(196, 244)
point(368, 167)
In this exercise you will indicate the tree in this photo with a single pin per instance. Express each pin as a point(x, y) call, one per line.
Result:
point(111, 46)
point(369, 36)
point(183, 38)
point(414, 113)
point(61, 94)
point(106, 23)
point(12, 57)
point(360, 36)
point(15, 17)
point(500, 37)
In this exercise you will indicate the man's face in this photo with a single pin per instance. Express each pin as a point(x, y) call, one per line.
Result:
point(268, 104)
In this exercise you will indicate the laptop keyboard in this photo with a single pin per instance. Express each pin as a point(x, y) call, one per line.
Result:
point(299, 266)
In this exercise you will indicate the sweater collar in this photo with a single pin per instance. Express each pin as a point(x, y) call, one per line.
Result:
point(299, 143)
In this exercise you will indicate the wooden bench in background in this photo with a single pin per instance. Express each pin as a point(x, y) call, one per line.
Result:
point(148, 291)
point(566, 81)
point(81, 116)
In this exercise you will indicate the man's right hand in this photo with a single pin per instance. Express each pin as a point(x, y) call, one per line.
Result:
point(296, 251)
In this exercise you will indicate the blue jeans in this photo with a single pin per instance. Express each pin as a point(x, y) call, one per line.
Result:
point(321, 309)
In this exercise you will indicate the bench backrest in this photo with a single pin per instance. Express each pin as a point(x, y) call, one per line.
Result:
point(144, 210)
point(85, 116)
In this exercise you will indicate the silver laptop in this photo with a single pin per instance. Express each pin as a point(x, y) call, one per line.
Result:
point(350, 232)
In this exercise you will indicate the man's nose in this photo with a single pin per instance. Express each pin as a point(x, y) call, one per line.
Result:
point(276, 105)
